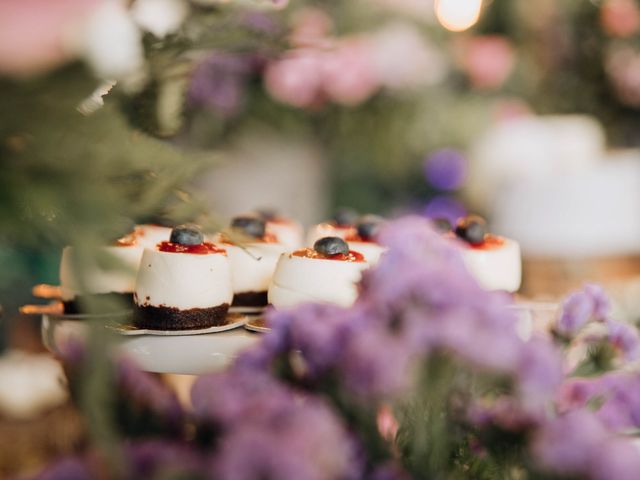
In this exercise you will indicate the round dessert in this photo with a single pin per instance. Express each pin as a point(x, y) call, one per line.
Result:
point(252, 261)
point(342, 225)
point(494, 261)
point(363, 240)
point(150, 235)
point(287, 232)
point(327, 273)
point(183, 283)
point(111, 274)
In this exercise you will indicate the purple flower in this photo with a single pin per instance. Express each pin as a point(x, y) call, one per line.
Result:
point(575, 393)
point(504, 412)
point(376, 364)
point(389, 471)
point(266, 430)
point(590, 303)
point(261, 22)
point(566, 444)
point(618, 458)
point(141, 390)
point(219, 82)
point(158, 459)
point(446, 169)
point(436, 299)
point(578, 444)
point(70, 468)
point(318, 331)
point(305, 441)
point(149, 459)
point(238, 395)
point(625, 339)
point(444, 206)
point(601, 302)
point(614, 397)
point(539, 371)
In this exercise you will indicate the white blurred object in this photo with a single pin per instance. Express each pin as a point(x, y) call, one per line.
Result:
point(458, 15)
point(112, 43)
point(403, 58)
point(29, 384)
point(595, 212)
point(286, 174)
point(160, 17)
point(530, 148)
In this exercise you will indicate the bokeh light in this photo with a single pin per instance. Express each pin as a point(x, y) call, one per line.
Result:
point(458, 15)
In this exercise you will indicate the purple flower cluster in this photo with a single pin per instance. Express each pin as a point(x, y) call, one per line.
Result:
point(625, 339)
point(446, 169)
point(420, 299)
point(266, 430)
point(148, 459)
point(614, 398)
point(590, 303)
point(142, 391)
point(577, 444)
point(219, 82)
point(423, 285)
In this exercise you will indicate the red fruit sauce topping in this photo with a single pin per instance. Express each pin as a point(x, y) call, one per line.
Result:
point(491, 242)
point(352, 256)
point(204, 248)
point(126, 241)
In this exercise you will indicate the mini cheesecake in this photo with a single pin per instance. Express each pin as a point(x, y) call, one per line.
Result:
point(183, 283)
point(327, 273)
point(112, 274)
point(342, 225)
point(253, 260)
point(364, 238)
point(287, 232)
point(150, 235)
point(494, 261)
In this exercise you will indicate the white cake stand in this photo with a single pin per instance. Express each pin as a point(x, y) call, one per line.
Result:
point(181, 354)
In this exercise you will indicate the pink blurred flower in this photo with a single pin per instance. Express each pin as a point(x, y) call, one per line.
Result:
point(311, 27)
point(623, 69)
point(34, 34)
point(620, 18)
point(348, 73)
point(510, 108)
point(296, 78)
point(404, 59)
point(487, 60)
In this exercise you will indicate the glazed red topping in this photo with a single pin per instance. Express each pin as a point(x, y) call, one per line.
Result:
point(491, 242)
point(279, 220)
point(126, 241)
point(352, 256)
point(204, 248)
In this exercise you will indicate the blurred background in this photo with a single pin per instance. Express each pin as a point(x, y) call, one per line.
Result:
point(525, 112)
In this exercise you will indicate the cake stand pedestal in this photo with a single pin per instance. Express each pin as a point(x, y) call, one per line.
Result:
point(180, 354)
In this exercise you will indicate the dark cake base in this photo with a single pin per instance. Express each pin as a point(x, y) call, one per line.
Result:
point(170, 318)
point(104, 302)
point(250, 299)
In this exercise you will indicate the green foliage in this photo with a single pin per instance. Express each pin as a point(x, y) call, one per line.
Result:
point(64, 172)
